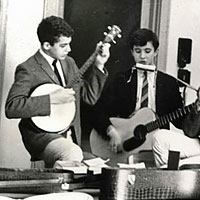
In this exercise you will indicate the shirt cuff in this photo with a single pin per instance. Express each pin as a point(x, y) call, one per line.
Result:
point(110, 130)
point(101, 68)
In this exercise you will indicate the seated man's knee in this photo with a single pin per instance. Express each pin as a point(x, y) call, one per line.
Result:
point(75, 153)
point(160, 147)
point(61, 149)
point(160, 137)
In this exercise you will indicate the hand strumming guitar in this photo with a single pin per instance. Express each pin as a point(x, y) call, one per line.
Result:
point(115, 139)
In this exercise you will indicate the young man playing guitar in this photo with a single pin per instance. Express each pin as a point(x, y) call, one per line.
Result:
point(124, 99)
point(55, 36)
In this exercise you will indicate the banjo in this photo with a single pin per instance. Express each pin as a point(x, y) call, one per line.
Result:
point(63, 114)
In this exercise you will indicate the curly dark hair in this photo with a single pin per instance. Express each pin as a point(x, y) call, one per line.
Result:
point(53, 27)
point(141, 36)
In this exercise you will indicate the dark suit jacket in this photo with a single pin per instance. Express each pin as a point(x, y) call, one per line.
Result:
point(119, 100)
point(29, 75)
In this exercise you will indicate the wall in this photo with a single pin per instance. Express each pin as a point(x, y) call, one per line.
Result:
point(19, 21)
point(184, 22)
point(21, 42)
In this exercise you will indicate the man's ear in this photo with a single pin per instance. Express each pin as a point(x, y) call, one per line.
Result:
point(46, 45)
point(156, 52)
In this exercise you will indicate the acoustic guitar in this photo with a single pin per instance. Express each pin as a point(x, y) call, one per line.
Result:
point(133, 132)
point(63, 114)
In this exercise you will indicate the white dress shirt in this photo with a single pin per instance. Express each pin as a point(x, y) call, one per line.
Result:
point(151, 77)
point(50, 61)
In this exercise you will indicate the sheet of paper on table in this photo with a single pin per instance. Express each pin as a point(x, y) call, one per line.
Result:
point(95, 165)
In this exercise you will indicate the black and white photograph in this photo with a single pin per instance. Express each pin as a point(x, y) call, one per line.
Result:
point(99, 99)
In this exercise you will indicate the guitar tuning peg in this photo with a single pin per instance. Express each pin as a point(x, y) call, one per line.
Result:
point(105, 33)
point(114, 41)
point(109, 28)
point(119, 35)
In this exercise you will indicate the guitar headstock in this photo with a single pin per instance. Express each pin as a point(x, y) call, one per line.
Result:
point(114, 31)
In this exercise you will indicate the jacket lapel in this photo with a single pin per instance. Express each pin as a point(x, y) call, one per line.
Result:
point(46, 67)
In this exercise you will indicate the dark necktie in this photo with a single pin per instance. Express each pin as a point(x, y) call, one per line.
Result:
point(56, 72)
point(144, 98)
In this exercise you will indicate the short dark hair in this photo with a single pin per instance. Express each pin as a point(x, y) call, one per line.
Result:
point(141, 36)
point(53, 27)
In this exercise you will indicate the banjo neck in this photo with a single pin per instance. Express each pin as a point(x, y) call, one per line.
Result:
point(78, 77)
point(109, 37)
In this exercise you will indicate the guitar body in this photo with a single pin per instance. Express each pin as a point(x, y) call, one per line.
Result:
point(61, 114)
point(126, 127)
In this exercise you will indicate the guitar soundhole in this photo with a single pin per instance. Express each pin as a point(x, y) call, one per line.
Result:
point(132, 143)
point(137, 140)
point(140, 132)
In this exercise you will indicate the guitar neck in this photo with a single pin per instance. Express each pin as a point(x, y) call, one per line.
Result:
point(160, 122)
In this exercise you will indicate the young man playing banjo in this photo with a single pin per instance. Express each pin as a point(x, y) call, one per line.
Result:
point(55, 36)
point(124, 99)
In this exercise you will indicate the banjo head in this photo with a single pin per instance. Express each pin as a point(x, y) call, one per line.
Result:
point(61, 114)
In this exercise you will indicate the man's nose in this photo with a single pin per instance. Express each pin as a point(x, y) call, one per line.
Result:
point(142, 54)
point(68, 49)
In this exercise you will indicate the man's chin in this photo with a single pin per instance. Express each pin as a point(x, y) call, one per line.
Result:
point(63, 57)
